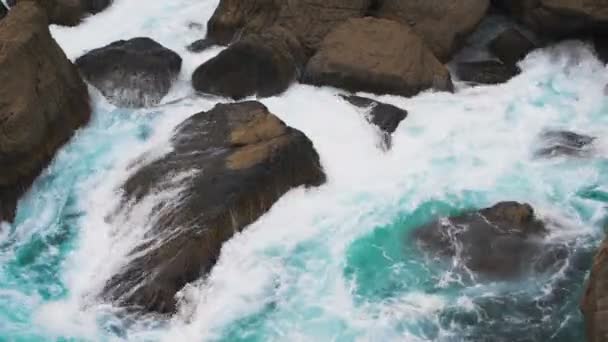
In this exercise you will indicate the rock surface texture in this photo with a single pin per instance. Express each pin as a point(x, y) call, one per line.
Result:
point(43, 106)
point(232, 163)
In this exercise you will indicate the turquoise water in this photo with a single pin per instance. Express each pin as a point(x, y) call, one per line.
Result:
point(329, 264)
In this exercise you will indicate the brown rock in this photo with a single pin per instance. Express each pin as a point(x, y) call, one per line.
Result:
point(594, 303)
point(442, 25)
point(378, 56)
point(240, 159)
point(45, 102)
point(61, 12)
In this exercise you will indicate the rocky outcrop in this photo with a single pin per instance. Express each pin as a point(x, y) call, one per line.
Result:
point(378, 56)
point(232, 163)
point(511, 46)
point(134, 73)
point(500, 242)
point(261, 64)
point(559, 17)
point(442, 25)
point(42, 102)
point(485, 72)
point(68, 12)
point(564, 143)
point(593, 304)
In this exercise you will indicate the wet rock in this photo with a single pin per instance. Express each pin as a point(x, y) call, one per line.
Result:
point(43, 106)
point(200, 45)
point(231, 164)
point(500, 242)
point(95, 6)
point(387, 117)
point(511, 46)
point(564, 143)
point(261, 64)
point(131, 73)
point(485, 72)
point(378, 56)
point(442, 25)
point(593, 304)
point(69, 12)
point(600, 43)
point(3, 11)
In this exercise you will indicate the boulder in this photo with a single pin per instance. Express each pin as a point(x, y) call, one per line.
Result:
point(69, 12)
point(200, 45)
point(564, 143)
point(442, 25)
point(95, 6)
point(595, 297)
point(559, 17)
point(511, 46)
point(498, 243)
point(231, 164)
point(378, 56)
point(41, 105)
point(131, 73)
point(261, 64)
point(485, 72)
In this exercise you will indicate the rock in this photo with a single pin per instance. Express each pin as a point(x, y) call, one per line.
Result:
point(134, 73)
point(442, 25)
point(593, 303)
point(69, 12)
point(600, 43)
point(387, 117)
point(564, 143)
point(559, 17)
point(43, 106)
point(378, 56)
point(262, 64)
point(200, 45)
point(3, 11)
point(95, 6)
point(511, 46)
point(485, 72)
point(238, 159)
point(500, 242)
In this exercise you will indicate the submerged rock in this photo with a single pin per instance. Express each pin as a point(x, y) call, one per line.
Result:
point(200, 45)
point(378, 56)
point(42, 101)
point(132, 73)
point(260, 64)
point(511, 46)
point(442, 25)
point(500, 242)
point(232, 163)
point(564, 143)
point(485, 72)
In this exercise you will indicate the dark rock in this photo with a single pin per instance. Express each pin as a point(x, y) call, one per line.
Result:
point(60, 12)
point(3, 10)
point(600, 43)
point(501, 242)
point(262, 65)
point(593, 303)
point(200, 45)
point(134, 73)
point(95, 6)
point(239, 159)
point(564, 143)
point(387, 117)
point(485, 72)
point(43, 101)
point(378, 56)
point(442, 25)
point(511, 46)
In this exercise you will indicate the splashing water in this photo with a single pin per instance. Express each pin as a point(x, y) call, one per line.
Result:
point(329, 264)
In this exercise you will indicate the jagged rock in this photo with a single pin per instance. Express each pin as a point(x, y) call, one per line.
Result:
point(200, 45)
point(261, 64)
point(442, 25)
point(564, 143)
point(500, 242)
point(378, 56)
point(42, 101)
point(232, 163)
point(485, 72)
point(511, 46)
point(134, 73)
point(593, 304)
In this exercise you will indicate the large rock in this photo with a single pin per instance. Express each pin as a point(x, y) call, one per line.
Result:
point(511, 46)
point(594, 302)
point(442, 25)
point(68, 12)
point(485, 72)
point(42, 101)
point(3, 10)
point(559, 17)
point(134, 73)
point(232, 163)
point(378, 56)
point(261, 64)
point(500, 242)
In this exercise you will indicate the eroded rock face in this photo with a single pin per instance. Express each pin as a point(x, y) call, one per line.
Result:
point(261, 64)
point(236, 160)
point(442, 25)
point(500, 242)
point(43, 101)
point(134, 73)
point(593, 304)
point(378, 56)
